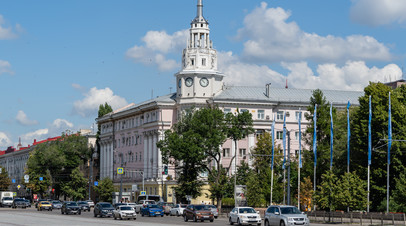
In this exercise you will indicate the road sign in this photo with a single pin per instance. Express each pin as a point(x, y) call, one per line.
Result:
point(143, 193)
point(134, 187)
point(13, 181)
point(26, 176)
point(41, 178)
point(26, 181)
point(120, 170)
point(96, 183)
point(18, 186)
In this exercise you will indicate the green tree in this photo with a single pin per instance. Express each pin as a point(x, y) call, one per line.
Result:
point(328, 194)
point(306, 193)
point(105, 190)
point(399, 194)
point(255, 194)
point(5, 181)
point(379, 127)
point(76, 186)
point(352, 192)
point(55, 161)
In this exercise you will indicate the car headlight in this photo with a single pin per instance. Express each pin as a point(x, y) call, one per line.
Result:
point(290, 219)
point(197, 212)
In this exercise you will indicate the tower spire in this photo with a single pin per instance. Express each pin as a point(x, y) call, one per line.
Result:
point(199, 8)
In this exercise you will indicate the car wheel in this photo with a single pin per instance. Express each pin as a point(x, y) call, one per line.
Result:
point(121, 218)
point(61, 212)
point(80, 213)
point(178, 214)
point(215, 217)
point(162, 215)
point(211, 220)
point(194, 218)
point(142, 214)
point(282, 223)
point(230, 221)
point(185, 218)
point(266, 223)
point(238, 221)
point(95, 215)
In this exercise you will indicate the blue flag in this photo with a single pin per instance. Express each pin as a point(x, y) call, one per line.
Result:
point(331, 135)
point(389, 131)
point(348, 133)
point(300, 139)
point(273, 141)
point(369, 133)
point(315, 135)
point(284, 141)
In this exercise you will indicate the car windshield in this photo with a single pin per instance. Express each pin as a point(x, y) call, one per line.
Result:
point(19, 200)
point(46, 203)
point(246, 210)
point(7, 198)
point(56, 202)
point(290, 210)
point(201, 208)
point(213, 206)
point(126, 208)
point(71, 204)
point(106, 205)
point(83, 203)
point(153, 206)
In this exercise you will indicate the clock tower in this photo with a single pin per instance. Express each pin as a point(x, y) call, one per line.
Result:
point(199, 78)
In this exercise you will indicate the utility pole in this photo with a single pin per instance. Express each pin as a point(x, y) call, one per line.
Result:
point(120, 196)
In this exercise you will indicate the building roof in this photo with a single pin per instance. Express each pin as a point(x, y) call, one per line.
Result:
point(245, 93)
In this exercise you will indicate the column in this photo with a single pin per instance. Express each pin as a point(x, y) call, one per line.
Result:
point(159, 136)
point(111, 159)
point(233, 154)
point(251, 144)
point(150, 156)
point(153, 155)
point(145, 144)
point(101, 160)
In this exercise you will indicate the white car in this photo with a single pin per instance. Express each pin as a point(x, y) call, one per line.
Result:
point(91, 203)
point(124, 212)
point(178, 210)
point(244, 215)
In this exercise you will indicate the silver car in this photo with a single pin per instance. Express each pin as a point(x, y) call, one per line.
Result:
point(285, 215)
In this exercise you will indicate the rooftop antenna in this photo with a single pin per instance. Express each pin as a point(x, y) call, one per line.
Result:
point(152, 94)
point(286, 86)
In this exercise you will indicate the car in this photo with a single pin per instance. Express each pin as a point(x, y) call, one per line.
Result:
point(38, 201)
point(91, 203)
point(285, 215)
point(214, 210)
point(7, 201)
point(56, 204)
point(198, 212)
point(177, 210)
point(244, 215)
point(166, 207)
point(152, 210)
point(84, 206)
point(103, 209)
point(19, 202)
point(132, 204)
point(124, 212)
point(70, 208)
point(27, 203)
point(142, 203)
point(117, 204)
point(44, 205)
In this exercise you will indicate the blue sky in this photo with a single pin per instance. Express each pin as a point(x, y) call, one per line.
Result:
point(59, 60)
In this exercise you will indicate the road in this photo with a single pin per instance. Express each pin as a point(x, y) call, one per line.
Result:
point(30, 216)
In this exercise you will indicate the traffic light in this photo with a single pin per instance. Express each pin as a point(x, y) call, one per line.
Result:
point(165, 169)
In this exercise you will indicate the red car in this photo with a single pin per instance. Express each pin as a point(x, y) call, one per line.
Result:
point(198, 213)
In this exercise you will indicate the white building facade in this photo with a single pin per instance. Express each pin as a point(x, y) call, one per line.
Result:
point(129, 135)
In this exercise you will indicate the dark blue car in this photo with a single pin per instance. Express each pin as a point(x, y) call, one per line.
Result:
point(152, 210)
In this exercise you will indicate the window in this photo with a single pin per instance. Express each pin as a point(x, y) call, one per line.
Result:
point(192, 62)
point(297, 135)
point(279, 116)
point(204, 62)
point(227, 110)
point(297, 114)
point(226, 152)
point(243, 110)
point(261, 114)
point(279, 135)
point(242, 152)
point(136, 156)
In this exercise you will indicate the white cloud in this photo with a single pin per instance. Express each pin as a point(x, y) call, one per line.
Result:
point(4, 141)
point(38, 135)
point(378, 12)
point(271, 38)
point(7, 33)
point(157, 46)
point(24, 120)
point(353, 75)
point(5, 67)
point(62, 124)
point(89, 105)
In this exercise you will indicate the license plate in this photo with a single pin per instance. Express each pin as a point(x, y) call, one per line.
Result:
point(206, 216)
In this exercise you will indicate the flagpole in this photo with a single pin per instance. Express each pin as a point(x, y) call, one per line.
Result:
point(270, 203)
point(315, 152)
point(272, 160)
point(300, 160)
point(348, 145)
point(369, 150)
point(389, 146)
point(284, 158)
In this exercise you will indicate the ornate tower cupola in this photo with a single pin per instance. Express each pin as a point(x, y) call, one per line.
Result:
point(198, 78)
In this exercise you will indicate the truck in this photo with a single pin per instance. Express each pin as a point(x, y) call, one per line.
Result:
point(6, 198)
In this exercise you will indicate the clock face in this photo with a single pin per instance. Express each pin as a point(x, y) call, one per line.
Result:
point(189, 82)
point(204, 82)
point(180, 83)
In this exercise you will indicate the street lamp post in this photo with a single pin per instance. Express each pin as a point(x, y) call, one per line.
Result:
point(288, 198)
